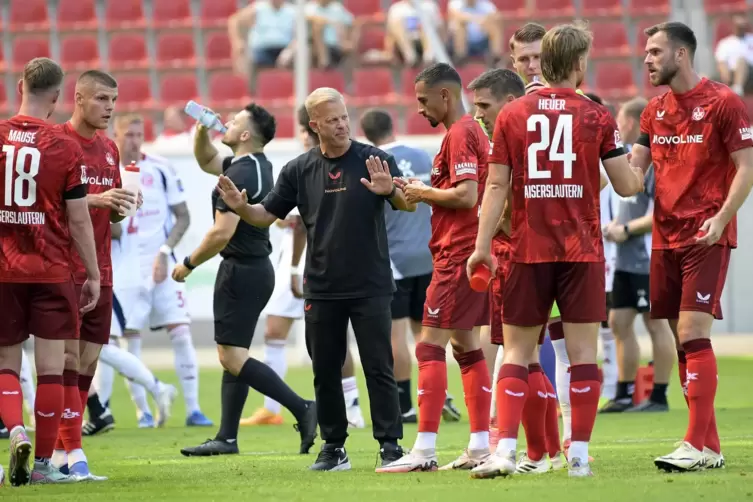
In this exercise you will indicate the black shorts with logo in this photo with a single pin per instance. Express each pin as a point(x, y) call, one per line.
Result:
point(408, 301)
point(630, 291)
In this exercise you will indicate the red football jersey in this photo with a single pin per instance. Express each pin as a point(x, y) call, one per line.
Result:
point(463, 156)
point(553, 141)
point(691, 137)
point(102, 174)
point(39, 165)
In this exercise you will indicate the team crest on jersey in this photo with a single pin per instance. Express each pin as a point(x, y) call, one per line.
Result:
point(84, 178)
point(698, 113)
point(109, 158)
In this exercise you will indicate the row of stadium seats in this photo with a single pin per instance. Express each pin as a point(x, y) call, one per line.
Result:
point(77, 15)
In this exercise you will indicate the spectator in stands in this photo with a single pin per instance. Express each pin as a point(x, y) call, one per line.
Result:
point(174, 122)
point(262, 34)
point(475, 30)
point(333, 36)
point(407, 39)
point(734, 57)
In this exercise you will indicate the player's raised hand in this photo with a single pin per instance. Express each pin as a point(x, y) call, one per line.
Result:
point(710, 232)
point(479, 258)
point(89, 296)
point(381, 180)
point(115, 199)
point(234, 198)
point(414, 190)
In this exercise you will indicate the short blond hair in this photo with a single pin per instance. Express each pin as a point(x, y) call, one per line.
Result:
point(320, 96)
point(561, 49)
point(123, 121)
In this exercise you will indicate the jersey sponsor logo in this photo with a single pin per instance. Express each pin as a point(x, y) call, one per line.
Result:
point(746, 133)
point(465, 168)
point(335, 176)
point(101, 181)
point(22, 136)
point(698, 113)
point(684, 139)
point(701, 298)
point(660, 114)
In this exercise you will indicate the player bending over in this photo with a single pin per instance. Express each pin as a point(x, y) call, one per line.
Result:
point(556, 238)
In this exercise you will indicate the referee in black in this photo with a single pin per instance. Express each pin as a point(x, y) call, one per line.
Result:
point(340, 189)
point(244, 282)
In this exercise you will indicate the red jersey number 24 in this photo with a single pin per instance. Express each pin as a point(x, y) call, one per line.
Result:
point(21, 192)
point(558, 145)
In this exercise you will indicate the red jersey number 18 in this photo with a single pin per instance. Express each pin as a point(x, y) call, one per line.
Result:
point(23, 191)
point(562, 139)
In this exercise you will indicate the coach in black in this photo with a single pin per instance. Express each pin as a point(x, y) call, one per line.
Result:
point(244, 282)
point(340, 189)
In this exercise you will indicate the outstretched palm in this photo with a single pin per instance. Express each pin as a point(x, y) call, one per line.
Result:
point(234, 198)
point(381, 180)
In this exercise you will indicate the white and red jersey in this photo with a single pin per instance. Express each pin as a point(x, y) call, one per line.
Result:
point(161, 188)
point(126, 256)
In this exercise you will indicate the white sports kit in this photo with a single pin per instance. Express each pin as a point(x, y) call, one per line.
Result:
point(282, 303)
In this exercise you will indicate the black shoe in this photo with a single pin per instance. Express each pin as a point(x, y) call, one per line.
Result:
point(306, 427)
point(331, 458)
point(617, 405)
point(389, 452)
point(99, 425)
point(648, 406)
point(410, 417)
point(212, 447)
point(449, 412)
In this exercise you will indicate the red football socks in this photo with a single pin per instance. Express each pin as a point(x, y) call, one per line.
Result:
point(11, 399)
point(512, 390)
point(712, 435)
point(432, 385)
point(477, 388)
point(552, 427)
point(534, 413)
point(701, 383)
point(48, 410)
point(84, 384)
point(70, 424)
point(585, 390)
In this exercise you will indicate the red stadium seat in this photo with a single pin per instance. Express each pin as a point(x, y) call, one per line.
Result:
point(365, 9)
point(645, 8)
point(227, 90)
point(724, 6)
point(172, 14)
point(3, 98)
point(372, 38)
point(215, 13)
point(77, 15)
point(128, 51)
point(134, 92)
point(69, 93)
point(80, 52)
point(615, 81)
point(26, 48)
point(217, 50)
point(175, 50)
point(610, 39)
point(285, 119)
point(124, 14)
point(148, 129)
point(408, 86)
point(275, 85)
point(28, 15)
point(600, 8)
point(416, 124)
point(722, 28)
point(554, 9)
point(326, 78)
point(3, 64)
point(640, 36)
point(373, 86)
point(513, 9)
point(177, 89)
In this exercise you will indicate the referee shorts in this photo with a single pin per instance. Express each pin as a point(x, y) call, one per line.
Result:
point(241, 291)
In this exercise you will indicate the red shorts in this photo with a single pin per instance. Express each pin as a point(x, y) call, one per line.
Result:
point(451, 303)
point(48, 311)
point(690, 278)
point(532, 288)
point(95, 325)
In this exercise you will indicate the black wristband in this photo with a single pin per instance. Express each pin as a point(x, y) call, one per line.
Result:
point(393, 192)
point(627, 230)
point(187, 263)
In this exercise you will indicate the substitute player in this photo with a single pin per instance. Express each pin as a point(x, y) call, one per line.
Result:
point(556, 240)
point(699, 138)
point(44, 215)
point(452, 309)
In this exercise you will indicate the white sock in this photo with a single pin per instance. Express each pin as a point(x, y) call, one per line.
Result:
point(578, 449)
point(27, 383)
point(138, 392)
point(350, 390)
point(425, 441)
point(104, 377)
point(495, 375)
point(129, 366)
point(76, 456)
point(186, 366)
point(563, 386)
point(608, 364)
point(505, 446)
point(59, 458)
point(274, 357)
point(479, 441)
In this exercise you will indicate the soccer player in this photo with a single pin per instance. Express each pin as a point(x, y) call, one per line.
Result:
point(699, 138)
point(95, 97)
point(44, 215)
point(552, 167)
point(452, 309)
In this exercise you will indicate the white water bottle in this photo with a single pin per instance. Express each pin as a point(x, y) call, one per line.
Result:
point(205, 116)
point(131, 177)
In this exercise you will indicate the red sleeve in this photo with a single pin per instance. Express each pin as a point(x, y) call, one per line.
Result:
point(463, 148)
point(611, 142)
point(734, 123)
point(76, 168)
point(500, 154)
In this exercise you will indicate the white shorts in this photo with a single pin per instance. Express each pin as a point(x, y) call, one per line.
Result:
point(159, 305)
point(283, 303)
point(124, 301)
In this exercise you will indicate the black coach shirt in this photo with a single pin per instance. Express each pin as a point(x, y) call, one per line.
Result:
point(254, 173)
point(347, 254)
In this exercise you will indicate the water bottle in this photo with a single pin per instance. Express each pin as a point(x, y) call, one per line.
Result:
point(131, 179)
point(205, 116)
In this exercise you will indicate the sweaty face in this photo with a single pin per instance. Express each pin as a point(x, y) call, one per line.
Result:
point(661, 60)
point(526, 58)
point(238, 129)
point(129, 139)
point(332, 123)
point(97, 103)
point(487, 108)
point(432, 103)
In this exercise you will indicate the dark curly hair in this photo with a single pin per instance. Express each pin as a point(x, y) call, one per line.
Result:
point(265, 123)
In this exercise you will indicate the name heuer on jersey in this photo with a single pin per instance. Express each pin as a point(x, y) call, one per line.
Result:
point(551, 104)
point(685, 139)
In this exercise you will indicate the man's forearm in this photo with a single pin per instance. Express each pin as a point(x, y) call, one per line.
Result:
point(178, 231)
point(82, 234)
point(210, 246)
point(399, 201)
point(492, 208)
point(642, 225)
point(452, 198)
point(738, 192)
point(256, 215)
point(203, 149)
